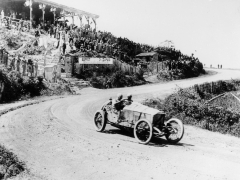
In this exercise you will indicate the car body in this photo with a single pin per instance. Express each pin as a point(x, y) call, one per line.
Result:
point(145, 121)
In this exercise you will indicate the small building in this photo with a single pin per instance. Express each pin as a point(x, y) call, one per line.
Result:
point(148, 56)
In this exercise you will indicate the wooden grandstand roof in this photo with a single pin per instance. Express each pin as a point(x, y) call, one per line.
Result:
point(64, 7)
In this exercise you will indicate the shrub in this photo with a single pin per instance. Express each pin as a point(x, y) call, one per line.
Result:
point(116, 79)
point(16, 87)
point(12, 86)
point(192, 106)
point(193, 69)
point(97, 82)
point(11, 166)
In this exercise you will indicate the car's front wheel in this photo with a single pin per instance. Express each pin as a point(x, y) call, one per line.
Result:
point(143, 131)
point(175, 130)
point(100, 121)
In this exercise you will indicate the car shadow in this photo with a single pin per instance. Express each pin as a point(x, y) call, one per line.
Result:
point(123, 131)
point(156, 142)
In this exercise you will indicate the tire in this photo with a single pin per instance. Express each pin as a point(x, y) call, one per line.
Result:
point(100, 121)
point(143, 131)
point(175, 137)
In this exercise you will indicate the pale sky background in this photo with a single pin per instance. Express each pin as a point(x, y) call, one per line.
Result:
point(208, 28)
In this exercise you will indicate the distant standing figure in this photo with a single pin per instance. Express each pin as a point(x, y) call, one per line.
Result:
point(1, 54)
point(36, 69)
point(5, 58)
point(18, 64)
point(24, 67)
point(20, 26)
point(64, 46)
point(13, 64)
point(2, 16)
point(30, 68)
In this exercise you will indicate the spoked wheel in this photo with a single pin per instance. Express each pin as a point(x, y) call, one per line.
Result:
point(175, 130)
point(143, 131)
point(100, 121)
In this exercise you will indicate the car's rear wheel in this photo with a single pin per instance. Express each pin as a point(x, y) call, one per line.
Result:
point(143, 131)
point(176, 130)
point(100, 121)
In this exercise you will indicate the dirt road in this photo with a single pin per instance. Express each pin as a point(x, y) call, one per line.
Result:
point(57, 140)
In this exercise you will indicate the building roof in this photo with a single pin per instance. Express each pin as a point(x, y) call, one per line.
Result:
point(66, 8)
point(146, 54)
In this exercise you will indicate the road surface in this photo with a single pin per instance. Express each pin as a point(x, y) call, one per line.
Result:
point(57, 140)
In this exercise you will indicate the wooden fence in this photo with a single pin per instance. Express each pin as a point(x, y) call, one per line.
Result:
point(215, 87)
point(72, 66)
point(156, 67)
point(51, 72)
point(76, 68)
point(124, 67)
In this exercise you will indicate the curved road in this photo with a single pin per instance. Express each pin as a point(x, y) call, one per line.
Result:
point(57, 140)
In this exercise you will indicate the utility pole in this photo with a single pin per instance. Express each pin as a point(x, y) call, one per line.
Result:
point(30, 5)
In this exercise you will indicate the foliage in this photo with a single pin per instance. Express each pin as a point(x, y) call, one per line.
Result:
point(9, 163)
point(183, 71)
point(192, 106)
point(17, 87)
point(207, 90)
point(117, 79)
point(34, 50)
point(106, 77)
point(12, 43)
point(11, 40)
point(12, 86)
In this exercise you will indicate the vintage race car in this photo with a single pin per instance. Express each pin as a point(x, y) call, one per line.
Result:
point(146, 122)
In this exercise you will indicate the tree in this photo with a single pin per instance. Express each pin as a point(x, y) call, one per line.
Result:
point(167, 43)
point(1, 89)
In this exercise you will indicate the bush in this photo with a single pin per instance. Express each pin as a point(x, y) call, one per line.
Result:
point(190, 70)
point(98, 82)
point(12, 86)
point(9, 163)
point(116, 79)
point(192, 106)
point(15, 87)
point(32, 86)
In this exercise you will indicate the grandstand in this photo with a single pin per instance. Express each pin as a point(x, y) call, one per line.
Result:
point(41, 18)
point(36, 11)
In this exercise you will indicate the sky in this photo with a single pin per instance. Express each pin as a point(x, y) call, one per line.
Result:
point(208, 28)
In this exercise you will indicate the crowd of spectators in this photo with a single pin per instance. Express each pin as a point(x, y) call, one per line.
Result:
point(86, 41)
point(175, 59)
point(26, 67)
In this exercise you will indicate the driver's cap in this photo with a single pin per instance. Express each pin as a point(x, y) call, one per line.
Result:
point(119, 96)
point(129, 95)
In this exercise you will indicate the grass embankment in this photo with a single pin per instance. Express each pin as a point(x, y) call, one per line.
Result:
point(183, 71)
point(13, 87)
point(112, 78)
point(9, 164)
point(192, 106)
point(12, 40)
